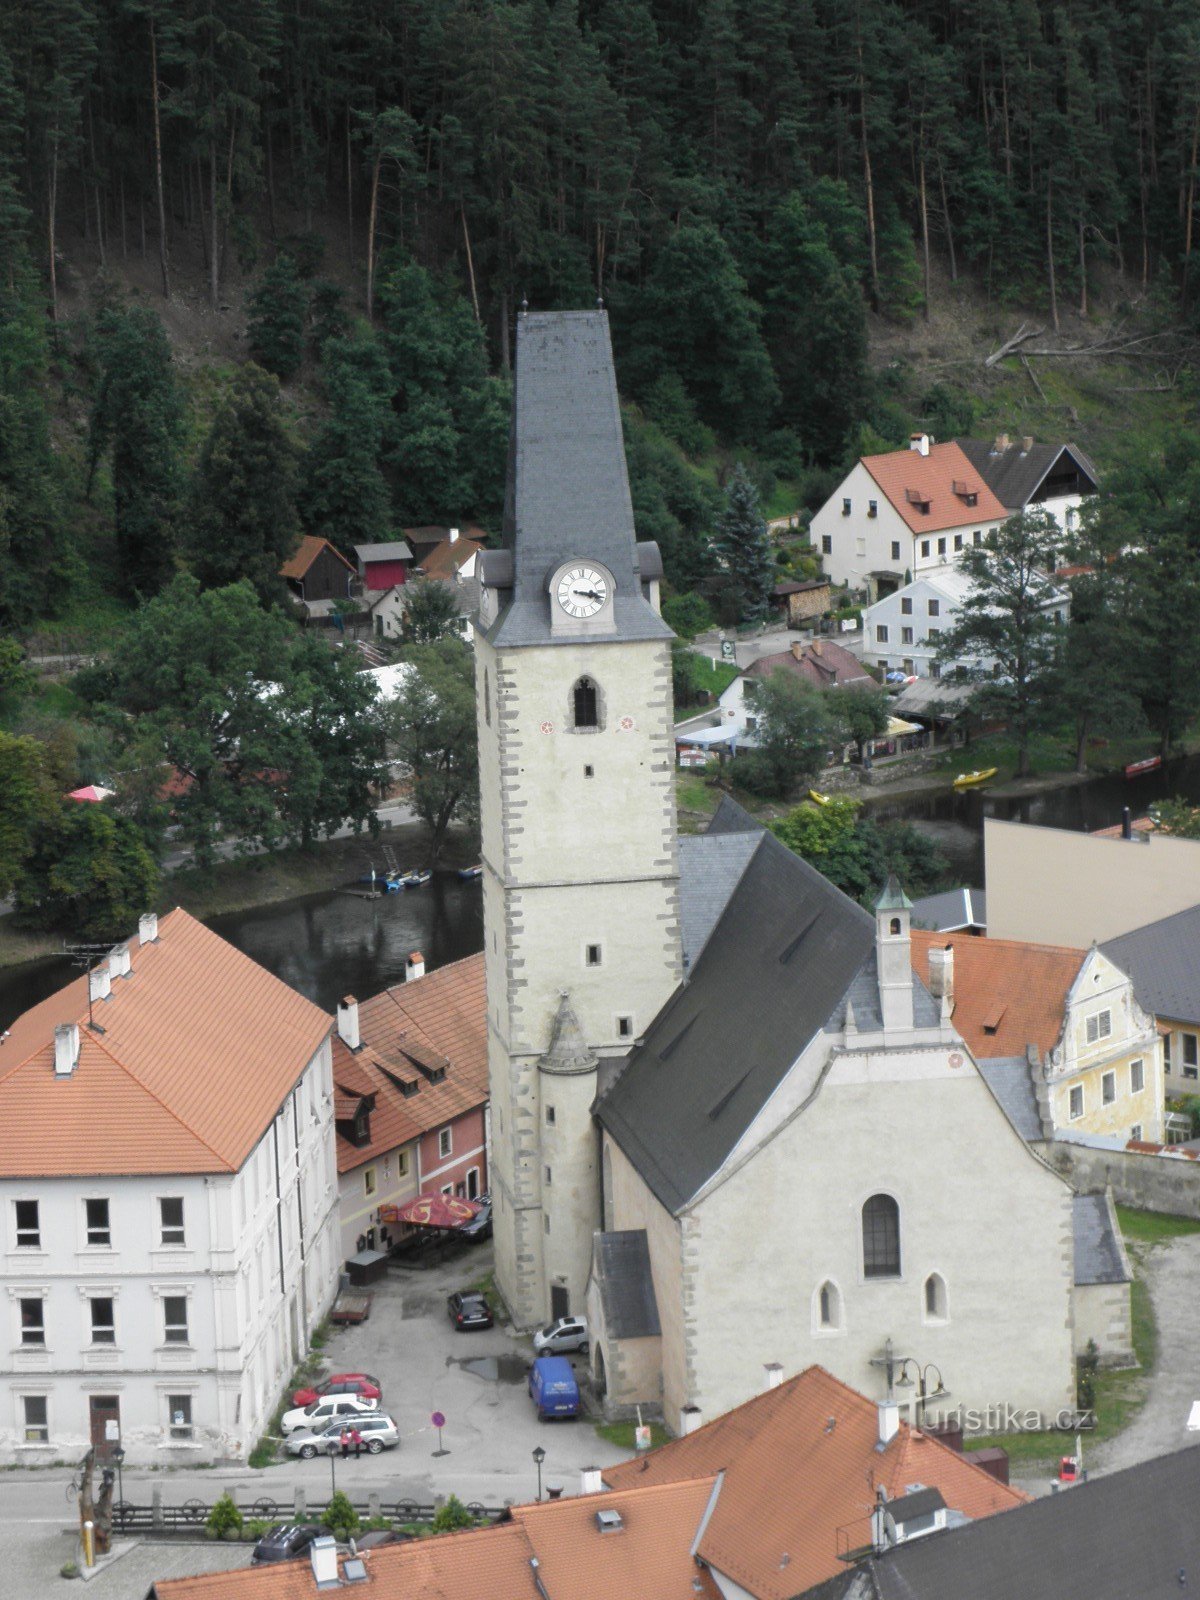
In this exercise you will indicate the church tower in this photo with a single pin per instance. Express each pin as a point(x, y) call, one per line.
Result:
point(576, 756)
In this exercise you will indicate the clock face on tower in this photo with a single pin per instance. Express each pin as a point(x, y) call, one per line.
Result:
point(581, 590)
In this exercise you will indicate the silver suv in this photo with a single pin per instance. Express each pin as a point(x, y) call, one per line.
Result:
point(378, 1433)
point(559, 1338)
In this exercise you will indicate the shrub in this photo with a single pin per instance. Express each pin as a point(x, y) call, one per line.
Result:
point(256, 1528)
point(339, 1514)
point(452, 1516)
point(224, 1518)
point(687, 614)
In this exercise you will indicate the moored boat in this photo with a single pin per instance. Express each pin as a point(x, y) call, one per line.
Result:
point(969, 780)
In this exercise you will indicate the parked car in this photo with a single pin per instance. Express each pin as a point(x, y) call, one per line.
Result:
point(315, 1415)
point(557, 1338)
point(553, 1388)
point(469, 1310)
point(284, 1542)
point(379, 1432)
point(359, 1383)
point(480, 1225)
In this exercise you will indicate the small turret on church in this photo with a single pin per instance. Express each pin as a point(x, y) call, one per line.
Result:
point(893, 957)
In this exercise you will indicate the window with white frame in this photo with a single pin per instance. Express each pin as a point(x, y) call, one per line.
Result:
point(1136, 1131)
point(369, 1181)
point(170, 1219)
point(1108, 1088)
point(175, 1319)
point(1166, 1041)
point(99, 1231)
point(881, 1237)
point(1191, 1060)
point(33, 1320)
point(29, 1233)
point(445, 1141)
point(881, 633)
point(402, 1163)
point(1075, 1102)
point(1099, 1026)
point(1137, 1076)
point(179, 1416)
point(103, 1319)
point(36, 1418)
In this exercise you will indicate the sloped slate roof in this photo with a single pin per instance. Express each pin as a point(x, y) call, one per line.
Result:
point(1015, 475)
point(1008, 1078)
point(1099, 1254)
point(567, 492)
point(626, 1284)
point(951, 910)
point(1163, 959)
point(780, 958)
point(710, 869)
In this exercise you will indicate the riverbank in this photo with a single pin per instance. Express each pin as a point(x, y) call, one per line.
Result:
point(260, 880)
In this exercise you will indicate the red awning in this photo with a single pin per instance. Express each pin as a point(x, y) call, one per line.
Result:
point(431, 1211)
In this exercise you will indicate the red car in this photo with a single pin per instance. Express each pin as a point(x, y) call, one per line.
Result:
point(359, 1383)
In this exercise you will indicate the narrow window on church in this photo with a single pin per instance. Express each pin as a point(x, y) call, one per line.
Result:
point(547, 1174)
point(881, 1237)
point(586, 708)
point(550, 1115)
point(589, 772)
point(592, 955)
point(624, 1027)
point(829, 1310)
point(487, 698)
point(935, 1298)
point(545, 1224)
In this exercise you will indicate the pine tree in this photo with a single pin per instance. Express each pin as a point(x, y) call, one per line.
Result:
point(344, 496)
point(743, 551)
point(244, 518)
point(278, 309)
point(138, 417)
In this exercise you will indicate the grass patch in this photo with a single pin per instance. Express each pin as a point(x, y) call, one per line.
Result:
point(1153, 1227)
point(706, 679)
point(1119, 1397)
point(621, 1434)
point(693, 792)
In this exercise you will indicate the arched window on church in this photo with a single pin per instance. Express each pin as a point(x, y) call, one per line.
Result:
point(936, 1303)
point(827, 1308)
point(881, 1237)
point(586, 704)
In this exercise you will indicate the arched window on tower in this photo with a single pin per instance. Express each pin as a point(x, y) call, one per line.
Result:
point(894, 925)
point(881, 1237)
point(586, 704)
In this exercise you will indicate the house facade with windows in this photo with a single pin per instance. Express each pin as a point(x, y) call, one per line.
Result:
point(169, 1202)
point(1023, 474)
point(898, 516)
point(411, 1095)
point(903, 631)
point(1059, 1033)
point(1163, 959)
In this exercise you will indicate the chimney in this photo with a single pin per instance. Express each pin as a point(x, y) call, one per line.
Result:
point(118, 961)
point(414, 967)
point(1126, 823)
point(1027, 444)
point(879, 1527)
point(919, 442)
point(941, 972)
point(347, 1022)
point(66, 1049)
point(591, 1481)
point(148, 928)
point(772, 1375)
point(453, 535)
point(889, 1421)
point(99, 983)
point(690, 1419)
point(323, 1553)
point(1001, 444)
point(797, 649)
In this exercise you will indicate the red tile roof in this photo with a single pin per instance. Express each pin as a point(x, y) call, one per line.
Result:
point(910, 480)
point(822, 662)
point(444, 560)
point(200, 1045)
point(800, 1464)
point(439, 1021)
point(1007, 994)
point(307, 551)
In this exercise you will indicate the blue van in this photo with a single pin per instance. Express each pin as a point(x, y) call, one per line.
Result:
point(553, 1389)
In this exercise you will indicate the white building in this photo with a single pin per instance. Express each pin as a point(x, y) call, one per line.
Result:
point(902, 632)
point(900, 515)
point(1024, 474)
point(169, 1200)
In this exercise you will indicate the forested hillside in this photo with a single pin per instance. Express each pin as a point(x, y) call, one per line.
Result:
point(382, 183)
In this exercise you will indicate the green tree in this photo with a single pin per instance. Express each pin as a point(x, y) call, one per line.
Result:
point(430, 611)
point(27, 797)
point(857, 854)
point(332, 715)
point(244, 518)
point(687, 614)
point(340, 1513)
point(434, 738)
point(743, 553)
point(138, 418)
point(861, 714)
point(87, 870)
point(795, 732)
point(278, 309)
point(344, 496)
point(1007, 618)
point(452, 1516)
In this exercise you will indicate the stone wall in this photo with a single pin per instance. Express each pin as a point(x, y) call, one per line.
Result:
point(1150, 1182)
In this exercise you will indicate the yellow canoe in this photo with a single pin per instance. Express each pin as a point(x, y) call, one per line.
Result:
point(968, 780)
point(821, 799)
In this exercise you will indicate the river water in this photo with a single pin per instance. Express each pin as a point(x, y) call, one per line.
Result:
point(333, 944)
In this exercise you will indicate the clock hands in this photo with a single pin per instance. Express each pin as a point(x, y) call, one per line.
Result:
point(586, 594)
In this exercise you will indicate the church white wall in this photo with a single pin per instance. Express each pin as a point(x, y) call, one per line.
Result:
point(1103, 1314)
point(975, 1207)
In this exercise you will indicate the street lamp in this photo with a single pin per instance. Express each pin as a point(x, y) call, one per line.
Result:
point(118, 1455)
point(539, 1455)
point(899, 1370)
point(333, 1450)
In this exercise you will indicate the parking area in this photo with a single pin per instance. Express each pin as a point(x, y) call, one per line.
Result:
point(476, 1380)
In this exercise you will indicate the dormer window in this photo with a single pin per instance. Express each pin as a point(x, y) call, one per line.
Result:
point(919, 499)
point(362, 1126)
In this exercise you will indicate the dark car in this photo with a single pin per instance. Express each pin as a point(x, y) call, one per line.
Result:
point(469, 1310)
point(285, 1541)
point(480, 1225)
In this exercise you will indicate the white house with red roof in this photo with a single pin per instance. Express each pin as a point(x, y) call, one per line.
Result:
point(168, 1196)
point(903, 514)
